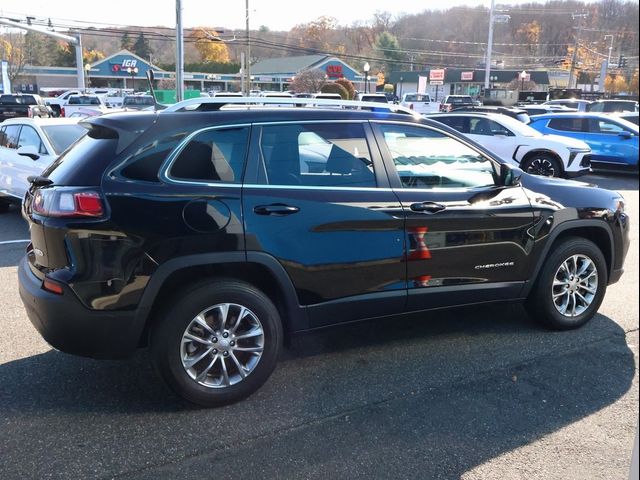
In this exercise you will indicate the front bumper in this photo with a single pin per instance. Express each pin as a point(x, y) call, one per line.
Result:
point(70, 327)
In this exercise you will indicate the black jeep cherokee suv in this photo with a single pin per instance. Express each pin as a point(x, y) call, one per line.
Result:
point(209, 235)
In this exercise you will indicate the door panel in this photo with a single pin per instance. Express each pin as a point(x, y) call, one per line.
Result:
point(318, 210)
point(461, 228)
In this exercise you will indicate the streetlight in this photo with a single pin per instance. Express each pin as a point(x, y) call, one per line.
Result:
point(523, 77)
point(366, 67)
point(401, 79)
point(133, 71)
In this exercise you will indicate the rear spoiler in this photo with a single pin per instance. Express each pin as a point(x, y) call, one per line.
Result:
point(125, 128)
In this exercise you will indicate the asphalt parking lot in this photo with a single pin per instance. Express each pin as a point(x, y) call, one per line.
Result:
point(481, 393)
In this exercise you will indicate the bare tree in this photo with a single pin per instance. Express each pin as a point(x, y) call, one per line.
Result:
point(309, 81)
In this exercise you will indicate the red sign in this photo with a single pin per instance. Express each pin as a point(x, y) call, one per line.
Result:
point(334, 71)
point(437, 75)
point(466, 76)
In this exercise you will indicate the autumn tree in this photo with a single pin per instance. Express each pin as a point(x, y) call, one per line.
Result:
point(348, 85)
point(209, 45)
point(615, 84)
point(318, 35)
point(333, 87)
point(12, 50)
point(633, 84)
point(309, 81)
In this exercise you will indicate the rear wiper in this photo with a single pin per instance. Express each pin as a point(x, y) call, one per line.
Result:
point(39, 181)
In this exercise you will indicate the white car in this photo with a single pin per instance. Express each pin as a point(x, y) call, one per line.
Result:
point(521, 145)
point(27, 147)
point(419, 102)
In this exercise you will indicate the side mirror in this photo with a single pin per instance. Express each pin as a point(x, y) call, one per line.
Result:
point(626, 135)
point(29, 151)
point(510, 176)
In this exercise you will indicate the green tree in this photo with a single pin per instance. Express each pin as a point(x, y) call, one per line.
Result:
point(142, 47)
point(388, 45)
point(125, 42)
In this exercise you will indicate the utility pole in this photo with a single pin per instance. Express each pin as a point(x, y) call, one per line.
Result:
point(493, 18)
point(487, 66)
point(75, 41)
point(247, 60)
point(179, 53)
point(574, 57)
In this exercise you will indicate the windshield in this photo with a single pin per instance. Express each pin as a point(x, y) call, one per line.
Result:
point(61, 136)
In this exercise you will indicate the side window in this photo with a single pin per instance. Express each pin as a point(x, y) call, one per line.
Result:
point(461, 124)
point(215, 155)
point(11, 135)
point(428, 159)
point(3, 137)
point(144, 164)
point(603, 126)
point(332, 155)
point(29, 137)
point(480, 126)
point(497, 129)
point(566, 124)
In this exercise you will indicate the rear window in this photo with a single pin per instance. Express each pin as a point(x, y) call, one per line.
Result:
point(83, 100)
point(62, 136)
point(84, 163)
point(138, 101)
point(17, 100)
point(417, 98)
point(374, 98)
point(460, 100)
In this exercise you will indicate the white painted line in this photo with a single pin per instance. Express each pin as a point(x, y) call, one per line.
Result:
point(7, 242)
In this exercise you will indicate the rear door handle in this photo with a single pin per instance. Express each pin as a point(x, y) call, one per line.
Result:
point(429, 207)
point(277, 209)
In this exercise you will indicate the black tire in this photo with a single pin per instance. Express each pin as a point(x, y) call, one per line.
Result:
point(542, 164)
point(541, 304)
point(167, 335)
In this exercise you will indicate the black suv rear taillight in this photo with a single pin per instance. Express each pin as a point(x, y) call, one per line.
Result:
point(68, 202)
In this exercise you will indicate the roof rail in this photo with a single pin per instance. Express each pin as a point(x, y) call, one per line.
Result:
point(215, 103)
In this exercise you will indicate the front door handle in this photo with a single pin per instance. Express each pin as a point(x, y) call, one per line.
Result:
point(429, 207)
point(277, 209)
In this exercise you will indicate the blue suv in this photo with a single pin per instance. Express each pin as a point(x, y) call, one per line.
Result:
point(613, 141)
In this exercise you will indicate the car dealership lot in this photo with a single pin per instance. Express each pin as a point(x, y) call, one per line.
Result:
point(474, 393)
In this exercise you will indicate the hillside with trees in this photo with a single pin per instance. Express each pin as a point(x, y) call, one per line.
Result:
point(536, 35)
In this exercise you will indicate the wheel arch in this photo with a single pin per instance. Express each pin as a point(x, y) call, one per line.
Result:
point(599, 234)
point(258, 269)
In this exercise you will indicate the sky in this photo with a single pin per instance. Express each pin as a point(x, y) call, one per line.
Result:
point(275, 14)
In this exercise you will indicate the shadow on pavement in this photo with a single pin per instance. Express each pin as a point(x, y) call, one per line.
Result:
point(425, 396)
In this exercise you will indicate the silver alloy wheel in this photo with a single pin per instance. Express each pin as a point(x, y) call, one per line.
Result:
point(222, 345)
point(575, 285)
point(542, 166)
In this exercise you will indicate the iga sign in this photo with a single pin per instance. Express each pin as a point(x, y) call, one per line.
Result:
point(334, 71)
point(436, 77)
point(126, 63)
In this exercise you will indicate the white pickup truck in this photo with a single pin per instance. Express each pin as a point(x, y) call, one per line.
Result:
point(57, 103)
point(419, 102)
point(83, 106)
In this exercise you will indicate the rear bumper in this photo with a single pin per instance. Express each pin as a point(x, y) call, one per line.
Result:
point(70, 327)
